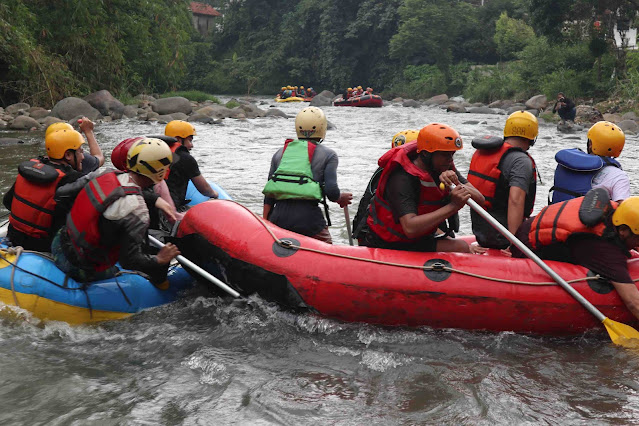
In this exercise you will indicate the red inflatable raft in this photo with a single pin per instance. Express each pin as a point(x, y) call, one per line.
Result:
point(444, 290)
point(361, 101)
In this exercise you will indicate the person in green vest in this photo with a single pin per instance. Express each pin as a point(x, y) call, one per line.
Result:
point(303, 173)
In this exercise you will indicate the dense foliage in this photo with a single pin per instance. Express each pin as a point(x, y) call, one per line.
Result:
point(484, 50)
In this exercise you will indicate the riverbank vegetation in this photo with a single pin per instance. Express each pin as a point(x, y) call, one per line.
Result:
point(483, 50)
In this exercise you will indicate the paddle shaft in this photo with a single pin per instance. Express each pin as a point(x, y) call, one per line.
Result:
point(348, 225)
point(186, 262)
point(521, 246)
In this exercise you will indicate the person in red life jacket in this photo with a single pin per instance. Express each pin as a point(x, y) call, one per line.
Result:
point(577, 172)
point(409, 205)
point(44, 190)
point(505, 174)
point(590, 231)
point(302, 173)
point(109, 220)
point(184, 167)
point(157, 196)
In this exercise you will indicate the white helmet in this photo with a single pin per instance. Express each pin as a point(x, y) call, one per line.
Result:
point(310, 123)
point(150, 157)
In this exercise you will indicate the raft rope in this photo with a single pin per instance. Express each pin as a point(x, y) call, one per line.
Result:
point(434, 267)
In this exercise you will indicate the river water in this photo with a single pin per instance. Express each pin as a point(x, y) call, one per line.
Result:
point(203, 360)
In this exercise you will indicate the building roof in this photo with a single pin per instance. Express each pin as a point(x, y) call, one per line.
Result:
point(203, 9)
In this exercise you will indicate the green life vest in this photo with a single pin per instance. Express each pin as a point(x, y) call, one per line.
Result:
point(293, 179)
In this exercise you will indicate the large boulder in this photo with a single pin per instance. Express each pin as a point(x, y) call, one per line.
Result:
point(628, 126)
point(24, 122)
point(455, 107)
point(71, 107)
point(588, 114)
point(215, 111)
point(630, 116)
point(15, 108)
point(130, 111)
point(10, 141)
point(252, 111)
point(38, 113)
point(50, 120)
point(436, 100)
point(172, 105)
point(321, 100)
point(274, 112)
point(410, 103)
point(104, 102)
point(613, 118)
point(537, 102)
point(327, 94)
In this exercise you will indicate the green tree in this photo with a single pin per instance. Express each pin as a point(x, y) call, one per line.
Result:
point(511, 36)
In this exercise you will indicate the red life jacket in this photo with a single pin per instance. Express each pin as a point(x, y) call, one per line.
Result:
point(431, 198)
point(557, 222)
point(83, 220)
point(33, 203)
point(484, 172)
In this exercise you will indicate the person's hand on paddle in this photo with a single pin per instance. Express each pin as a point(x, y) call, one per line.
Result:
point(459, 196)
point(449, 177)
point(167, 254)
point(166, 208)
point(344, 199)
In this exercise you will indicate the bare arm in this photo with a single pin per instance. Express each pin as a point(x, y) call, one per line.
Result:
point(449, 177)
point(416, 225)
point(86, 127)
point(203, 186)
point(267, 211)
point(516, 202)
point(630, 296)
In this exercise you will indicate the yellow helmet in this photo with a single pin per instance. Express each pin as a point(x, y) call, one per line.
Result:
point(150, 157)
point(58, 126)
point(301, 87)
point(359, 87)
point(283, 88)
point(627, 213)
point(403, 137)
point(180, 129)
point(289, 87)
point(606, 139)
point(350, 89)
point(311, 123)
point(58, 142)
point(522, 124)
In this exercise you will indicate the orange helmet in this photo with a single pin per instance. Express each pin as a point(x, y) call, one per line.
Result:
point(438, 137)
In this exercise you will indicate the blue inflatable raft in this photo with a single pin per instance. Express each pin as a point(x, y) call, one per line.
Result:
point(31, 281)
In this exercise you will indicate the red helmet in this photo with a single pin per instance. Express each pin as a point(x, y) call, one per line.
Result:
point(118, 155)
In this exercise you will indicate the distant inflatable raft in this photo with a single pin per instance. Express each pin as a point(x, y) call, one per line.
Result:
point(291, 99)
point(371, 101)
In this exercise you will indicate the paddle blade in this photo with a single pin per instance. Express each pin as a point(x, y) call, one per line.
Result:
point(622, 334)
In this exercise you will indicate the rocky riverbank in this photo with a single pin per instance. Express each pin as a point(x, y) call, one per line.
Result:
point(102, 106)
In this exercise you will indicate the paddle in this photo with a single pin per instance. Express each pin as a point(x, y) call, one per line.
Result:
point(348, 225)
point(186, 262)
point(620, 334)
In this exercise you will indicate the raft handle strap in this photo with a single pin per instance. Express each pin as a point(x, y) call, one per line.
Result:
point(121, 290)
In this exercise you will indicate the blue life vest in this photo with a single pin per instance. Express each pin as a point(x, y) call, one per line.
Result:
point(575, 172)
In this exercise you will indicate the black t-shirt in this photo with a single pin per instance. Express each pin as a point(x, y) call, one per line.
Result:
point(182, 171)
point(605, 257)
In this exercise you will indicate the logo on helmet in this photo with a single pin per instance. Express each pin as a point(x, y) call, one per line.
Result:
point(458, 142)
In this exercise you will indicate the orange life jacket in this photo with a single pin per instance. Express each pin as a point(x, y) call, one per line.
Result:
point(431, 198)
point(557, 222)
point(33, 203)
point(83, 220)
point(484, 172)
